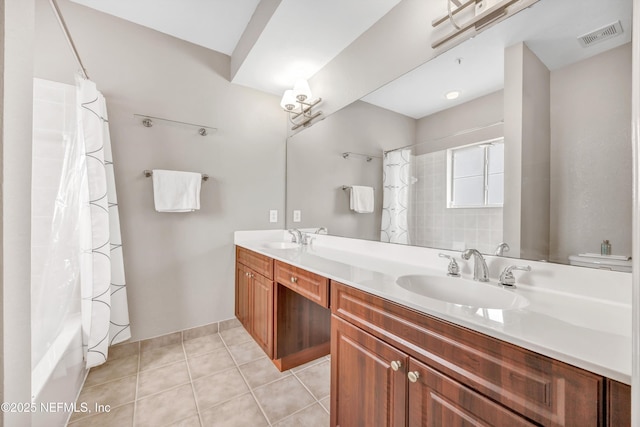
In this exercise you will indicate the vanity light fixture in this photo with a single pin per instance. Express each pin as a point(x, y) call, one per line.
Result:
point(454, 94)
point(298, 102)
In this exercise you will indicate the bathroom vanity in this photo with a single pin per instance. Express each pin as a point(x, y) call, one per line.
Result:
point(399, 358)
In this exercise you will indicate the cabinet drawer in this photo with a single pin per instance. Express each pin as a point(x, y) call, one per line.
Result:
point(305, 283)
point(259, 263)
point(542, 389)
point(436, 400)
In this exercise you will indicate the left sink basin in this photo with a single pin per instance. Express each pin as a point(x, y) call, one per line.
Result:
point(281, 245)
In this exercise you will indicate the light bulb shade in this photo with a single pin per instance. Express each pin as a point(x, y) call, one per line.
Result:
point(288, 100)
point(301, 90)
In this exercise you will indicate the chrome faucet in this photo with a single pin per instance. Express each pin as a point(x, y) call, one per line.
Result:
point(508, 279)
point(322, 230)
point(501, 249)
point(480, 269)
point(452, 270)
point(296, 235)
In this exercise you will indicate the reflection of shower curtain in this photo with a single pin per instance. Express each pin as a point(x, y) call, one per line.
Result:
point(396, 174)
point(105, 316)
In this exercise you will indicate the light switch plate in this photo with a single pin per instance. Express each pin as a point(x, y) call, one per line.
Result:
point(296, 216)
point(273, 215)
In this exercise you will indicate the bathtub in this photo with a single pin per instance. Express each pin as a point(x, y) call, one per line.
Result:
point(58, 377)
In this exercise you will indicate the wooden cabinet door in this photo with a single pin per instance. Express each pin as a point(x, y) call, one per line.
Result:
point(365, 390)
point(436, 400)
point(262, 312)
point(243, 308)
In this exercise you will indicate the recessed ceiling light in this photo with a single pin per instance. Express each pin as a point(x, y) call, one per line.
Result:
point(452, 95)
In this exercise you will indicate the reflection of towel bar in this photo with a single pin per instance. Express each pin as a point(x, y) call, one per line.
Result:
point(148, 173)
point(348, 187)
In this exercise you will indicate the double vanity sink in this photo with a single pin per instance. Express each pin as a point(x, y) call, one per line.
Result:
point(555, 349)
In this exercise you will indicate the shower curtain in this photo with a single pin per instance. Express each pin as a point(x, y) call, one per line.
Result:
point(396, 174)
point(105, 315)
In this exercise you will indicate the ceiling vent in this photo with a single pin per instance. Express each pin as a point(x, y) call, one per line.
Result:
point(601, 34)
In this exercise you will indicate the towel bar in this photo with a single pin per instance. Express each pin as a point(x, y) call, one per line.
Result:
point(348, 187)
point(149, 173)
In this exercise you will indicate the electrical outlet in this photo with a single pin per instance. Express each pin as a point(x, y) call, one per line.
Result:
point(273, 215)
point(296, 216)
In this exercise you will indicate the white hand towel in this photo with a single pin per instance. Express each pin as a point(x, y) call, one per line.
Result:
point(361, 200)
point(175, 191)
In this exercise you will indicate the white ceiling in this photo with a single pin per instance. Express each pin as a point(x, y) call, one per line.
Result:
point(214, 24)
point(549, 28)
point(303, 35)
point(299, 39)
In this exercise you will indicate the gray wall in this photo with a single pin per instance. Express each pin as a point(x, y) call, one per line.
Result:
point(526, 154)
point(591, 158)
point(16, 88)
point(316, 170)
point(179, 267)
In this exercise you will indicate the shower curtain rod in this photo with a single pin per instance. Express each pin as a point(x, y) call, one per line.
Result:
point(462, 132)
point(65, 30)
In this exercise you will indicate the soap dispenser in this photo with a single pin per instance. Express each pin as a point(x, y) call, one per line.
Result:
point(605, 248)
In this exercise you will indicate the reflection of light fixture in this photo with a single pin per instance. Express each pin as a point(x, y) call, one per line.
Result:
point(454, 94)
point(298, 103)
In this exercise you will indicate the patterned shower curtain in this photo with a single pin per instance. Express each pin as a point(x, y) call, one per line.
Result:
point(396, 175)
point(105, 314)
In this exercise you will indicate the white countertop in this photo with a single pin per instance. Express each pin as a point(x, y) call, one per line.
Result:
point(577, 315)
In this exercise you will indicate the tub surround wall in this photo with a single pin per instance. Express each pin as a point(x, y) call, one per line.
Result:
point(178, 266)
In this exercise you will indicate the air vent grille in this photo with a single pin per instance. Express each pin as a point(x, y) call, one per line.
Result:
point(601, 34)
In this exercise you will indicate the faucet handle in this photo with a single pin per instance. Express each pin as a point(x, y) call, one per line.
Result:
point(453, 269)
point(507, 278)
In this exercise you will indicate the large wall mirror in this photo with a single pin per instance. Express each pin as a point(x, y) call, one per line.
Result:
point(519, 136)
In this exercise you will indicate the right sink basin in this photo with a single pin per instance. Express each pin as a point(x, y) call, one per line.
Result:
point(457, 290)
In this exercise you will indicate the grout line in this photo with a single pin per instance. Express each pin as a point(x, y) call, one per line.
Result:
point(298, 411)
point(305, 387)
point(193, 389)
point(135, 400)
point(255, 399)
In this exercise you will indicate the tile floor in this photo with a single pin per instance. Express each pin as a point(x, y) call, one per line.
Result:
point(204, 378)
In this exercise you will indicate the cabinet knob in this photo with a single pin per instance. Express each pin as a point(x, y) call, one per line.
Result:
point(294, 279)
point(396, 364)
point(247, 274)
point(413, 376)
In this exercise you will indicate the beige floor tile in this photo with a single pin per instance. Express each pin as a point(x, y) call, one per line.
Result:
point(160, 356)
point(122, 416)
point(308, 364)
point(229, 324)
point(159, 379)
point(282, 398)
point(246, 352)
point(166, 407)
point(242, 411)
point(205, 344)
point(217, 388)
point(161, 341)
point(235, 336)
point(210, 363)
point(261, 371)
point(124, 350)
point(114, 393)
point(200, 331)
point(326, 403)
point(112, 369)
point(317, 379)
point(313, 416)
point(189, 422)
